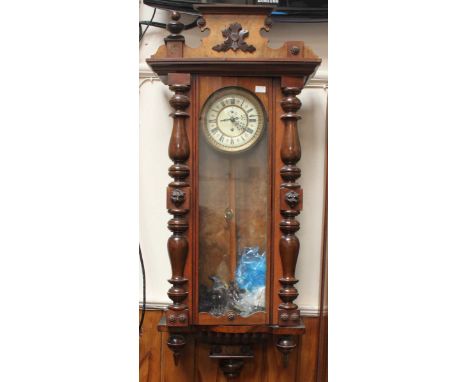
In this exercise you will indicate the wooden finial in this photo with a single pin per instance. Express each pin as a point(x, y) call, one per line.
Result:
point(286, 345)
point(175, 15)
point(176, 343)
point(175, 27)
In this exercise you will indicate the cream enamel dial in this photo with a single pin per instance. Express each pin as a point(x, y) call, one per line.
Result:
point(233, 120)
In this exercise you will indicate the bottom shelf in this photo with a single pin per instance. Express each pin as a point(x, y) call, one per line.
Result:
point(232, 344)
point(269, 329)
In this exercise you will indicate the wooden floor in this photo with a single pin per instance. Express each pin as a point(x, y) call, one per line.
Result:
point(157, 364)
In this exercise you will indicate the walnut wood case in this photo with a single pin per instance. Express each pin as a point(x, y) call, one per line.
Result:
point(234, 53)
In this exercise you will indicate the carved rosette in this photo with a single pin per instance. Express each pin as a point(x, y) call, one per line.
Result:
point(291, 205)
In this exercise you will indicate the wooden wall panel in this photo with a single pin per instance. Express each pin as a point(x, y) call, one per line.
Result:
point(150, 348)
point(157, 363)
point(307, 370)
point(206, 368)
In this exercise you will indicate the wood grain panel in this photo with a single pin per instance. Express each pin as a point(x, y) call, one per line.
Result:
point(205, 367)
point(157, 363)
point(150, 348)
point(308, 350)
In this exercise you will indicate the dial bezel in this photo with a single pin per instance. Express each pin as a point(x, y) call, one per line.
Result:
point(229, 92)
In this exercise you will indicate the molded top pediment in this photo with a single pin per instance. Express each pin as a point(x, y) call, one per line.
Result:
point(236, 32)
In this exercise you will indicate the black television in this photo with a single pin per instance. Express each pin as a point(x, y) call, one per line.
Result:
point(296, 11)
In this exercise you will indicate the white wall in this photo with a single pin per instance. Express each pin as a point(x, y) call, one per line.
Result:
point(155, 130)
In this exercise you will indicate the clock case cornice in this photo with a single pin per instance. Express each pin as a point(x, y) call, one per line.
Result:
point(216, 56)
point(244, 67)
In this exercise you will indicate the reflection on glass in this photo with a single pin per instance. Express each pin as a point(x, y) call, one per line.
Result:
point(233, 229)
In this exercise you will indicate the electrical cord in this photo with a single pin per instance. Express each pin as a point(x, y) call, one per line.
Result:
point(193, 24)
point(142, 34)
point(156, 24)
point(143, 310)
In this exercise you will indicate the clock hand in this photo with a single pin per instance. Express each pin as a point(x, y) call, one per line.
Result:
point(232, 119)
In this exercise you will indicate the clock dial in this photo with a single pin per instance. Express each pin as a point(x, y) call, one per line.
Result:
point(233, 120)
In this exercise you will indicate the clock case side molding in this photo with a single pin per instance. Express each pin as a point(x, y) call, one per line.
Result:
point(234, 47)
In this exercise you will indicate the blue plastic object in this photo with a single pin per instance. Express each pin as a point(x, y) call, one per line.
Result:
point(251, 269)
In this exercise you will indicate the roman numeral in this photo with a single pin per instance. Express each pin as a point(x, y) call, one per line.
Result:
point(232, 141)
point(215, 130)
point(233, 101)
point(222, 103)
point(221, 139)
point(212, 121)
point(252, 120)
point(248, 111)
point(249, 130)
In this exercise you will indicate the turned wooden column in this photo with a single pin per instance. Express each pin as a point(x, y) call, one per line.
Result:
point(178, 205)
point(178, 192)
point(291, 205)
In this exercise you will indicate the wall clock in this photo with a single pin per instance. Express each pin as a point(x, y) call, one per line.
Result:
point(233, 119)
point(234, 195)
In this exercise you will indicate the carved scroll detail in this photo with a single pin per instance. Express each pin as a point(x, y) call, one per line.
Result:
point(290, 152)
point(177, 245)
point(234, 39)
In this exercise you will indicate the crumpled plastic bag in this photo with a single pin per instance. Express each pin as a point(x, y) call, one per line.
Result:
point(251, 270)
point(251, 279)
point(253, 301)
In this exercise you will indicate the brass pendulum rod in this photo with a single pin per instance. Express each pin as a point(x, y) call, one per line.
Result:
point(233, 220)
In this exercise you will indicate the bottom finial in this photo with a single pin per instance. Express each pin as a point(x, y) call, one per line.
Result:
point(232, 368)
point(176, 343)
point(286, 345)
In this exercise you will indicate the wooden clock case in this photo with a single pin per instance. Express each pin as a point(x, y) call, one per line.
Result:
point(233, 54)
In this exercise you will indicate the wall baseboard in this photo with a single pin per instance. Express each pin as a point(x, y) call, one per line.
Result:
point(306, 311)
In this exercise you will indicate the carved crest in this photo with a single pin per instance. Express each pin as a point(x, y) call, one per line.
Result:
point(234, 39)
